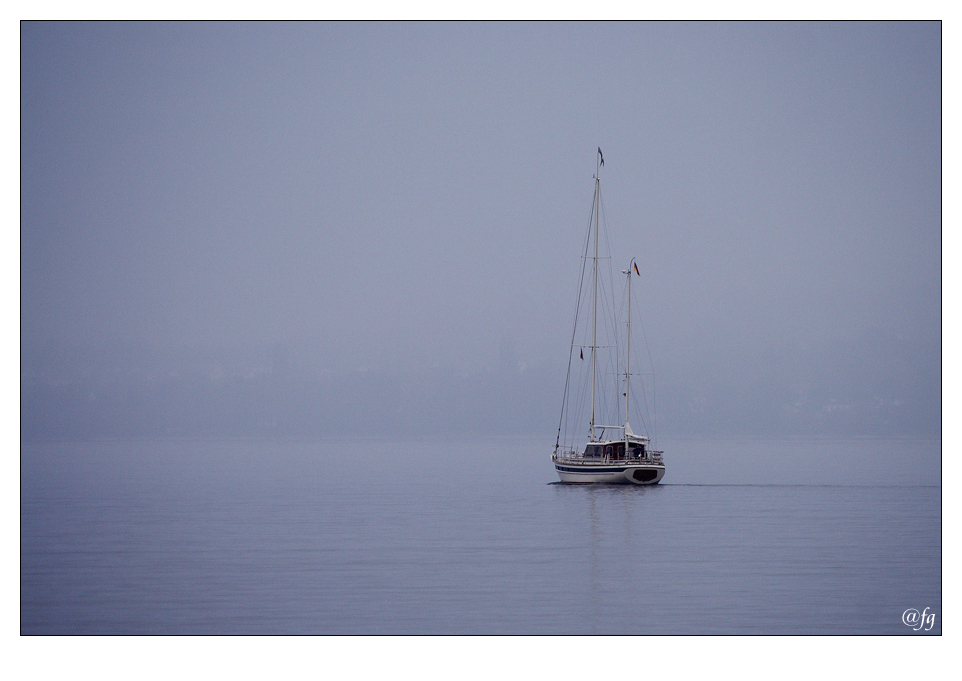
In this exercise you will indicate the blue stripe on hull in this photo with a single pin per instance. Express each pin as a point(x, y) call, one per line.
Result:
point(599, 469)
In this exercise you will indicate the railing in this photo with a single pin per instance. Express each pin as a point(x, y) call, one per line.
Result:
point(574, 456)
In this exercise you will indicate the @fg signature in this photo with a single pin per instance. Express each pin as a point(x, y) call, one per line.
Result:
point(917, 620)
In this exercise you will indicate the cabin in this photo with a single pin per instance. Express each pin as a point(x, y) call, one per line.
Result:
point(615, 451)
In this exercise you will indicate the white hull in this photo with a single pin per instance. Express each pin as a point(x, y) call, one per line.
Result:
point(609, 473)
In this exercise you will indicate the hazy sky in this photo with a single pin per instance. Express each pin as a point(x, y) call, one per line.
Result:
point(404, 194)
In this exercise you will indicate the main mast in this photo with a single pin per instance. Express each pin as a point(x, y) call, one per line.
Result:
point(594, 305)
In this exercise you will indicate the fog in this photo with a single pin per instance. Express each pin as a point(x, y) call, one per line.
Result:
point(375, 228)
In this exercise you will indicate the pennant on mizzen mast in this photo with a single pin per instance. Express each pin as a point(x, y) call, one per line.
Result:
point(601, 155)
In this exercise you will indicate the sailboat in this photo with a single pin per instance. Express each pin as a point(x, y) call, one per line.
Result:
point(612, 454)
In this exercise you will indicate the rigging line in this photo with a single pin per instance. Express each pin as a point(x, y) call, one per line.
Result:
point(579, 416)
point(610, 310)
point(574, 328)
point(609, 324)
point(604, 214)
point(651, 363)
point(642, 412)
point(646, 423)
point(638, 406)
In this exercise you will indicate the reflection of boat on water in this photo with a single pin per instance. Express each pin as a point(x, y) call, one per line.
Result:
point(613, 453)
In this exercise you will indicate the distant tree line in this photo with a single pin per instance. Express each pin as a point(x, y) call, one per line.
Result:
point(210, 394)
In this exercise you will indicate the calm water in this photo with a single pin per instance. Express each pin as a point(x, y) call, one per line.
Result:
point(374, 537)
